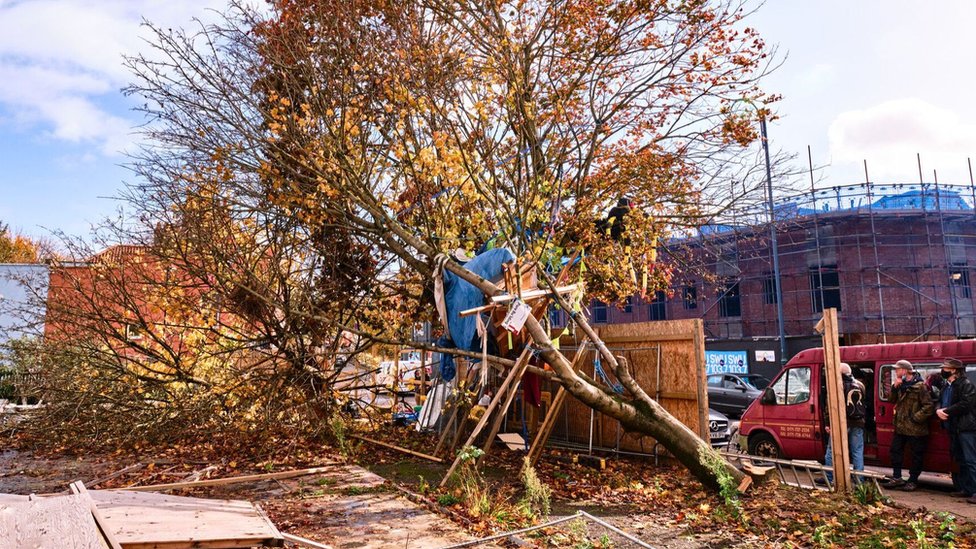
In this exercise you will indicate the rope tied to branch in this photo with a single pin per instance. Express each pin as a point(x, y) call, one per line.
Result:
point(598, 368)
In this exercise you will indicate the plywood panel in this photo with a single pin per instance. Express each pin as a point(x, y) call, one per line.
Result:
point(150, 520)
point(667, 359)
point(49, 523)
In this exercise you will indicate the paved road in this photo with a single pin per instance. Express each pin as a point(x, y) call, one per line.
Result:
point(933, 494)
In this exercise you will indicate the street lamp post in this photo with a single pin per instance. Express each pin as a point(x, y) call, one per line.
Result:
point(772, 236)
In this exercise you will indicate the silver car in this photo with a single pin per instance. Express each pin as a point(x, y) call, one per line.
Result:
point(731, 394)
point(718, 429)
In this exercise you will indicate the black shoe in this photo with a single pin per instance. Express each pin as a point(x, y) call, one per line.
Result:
point(895, 483)
point(958, 494)
point(909, 486)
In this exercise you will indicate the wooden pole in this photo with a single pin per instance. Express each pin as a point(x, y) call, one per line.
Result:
point(500, 412)
point(78, 487)
point(396, 382)
point(397, 448)
point(550, 421)
point(230, 480)
point(836, 405)
point(519, 366)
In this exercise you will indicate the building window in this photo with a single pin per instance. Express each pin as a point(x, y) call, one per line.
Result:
point(728, 303)
point(658, 308)
point(959, 277)
point(629, 305)
point(825, 287)
point(599, 310)
point(769, 290)
point(689, 295)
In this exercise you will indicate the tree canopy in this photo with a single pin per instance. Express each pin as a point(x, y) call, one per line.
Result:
point(307, 165)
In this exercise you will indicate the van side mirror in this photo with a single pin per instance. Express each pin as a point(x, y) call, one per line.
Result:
point(768, 396)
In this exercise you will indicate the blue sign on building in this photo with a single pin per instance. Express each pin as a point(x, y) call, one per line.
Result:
point(726, 362)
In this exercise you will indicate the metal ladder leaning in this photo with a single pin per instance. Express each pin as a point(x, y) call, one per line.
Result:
point(790, 470)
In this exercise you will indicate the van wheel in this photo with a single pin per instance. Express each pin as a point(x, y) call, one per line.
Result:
point(764, 445)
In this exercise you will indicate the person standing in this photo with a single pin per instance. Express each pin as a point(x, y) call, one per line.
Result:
point(856, 413)
point(913, 408)
point(958, 411)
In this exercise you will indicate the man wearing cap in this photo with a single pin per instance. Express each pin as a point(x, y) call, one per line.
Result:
point(959, 412)
point(913, 408)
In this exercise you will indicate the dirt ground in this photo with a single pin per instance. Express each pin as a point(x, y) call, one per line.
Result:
point(346, 506)
point(349, 506)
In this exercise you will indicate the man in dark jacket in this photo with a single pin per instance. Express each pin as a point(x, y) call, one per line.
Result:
point(854, 397)
point(959, 412)
point(913, 408)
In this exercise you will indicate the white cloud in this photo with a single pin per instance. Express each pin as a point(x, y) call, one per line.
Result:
point(61, 63)
point(890, 134)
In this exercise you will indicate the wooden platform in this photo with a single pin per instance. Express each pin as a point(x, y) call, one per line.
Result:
point(137, 520)
point(144, 520)
point(48, 523)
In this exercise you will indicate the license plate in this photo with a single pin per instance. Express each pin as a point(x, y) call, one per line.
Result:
point(714, 436)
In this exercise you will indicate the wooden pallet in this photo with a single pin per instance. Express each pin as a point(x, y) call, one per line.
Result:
point(132, 520)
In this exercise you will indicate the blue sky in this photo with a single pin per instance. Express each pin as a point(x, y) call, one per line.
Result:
point(878, 80)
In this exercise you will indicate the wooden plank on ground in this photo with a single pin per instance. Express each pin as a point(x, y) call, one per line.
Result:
point(513, 441)
point(306, 542)
point(78, 487)
point(162, 521)
point(49, 523)
point(397, 448)
point(229, 480)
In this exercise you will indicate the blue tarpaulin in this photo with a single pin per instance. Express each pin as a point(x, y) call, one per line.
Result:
point(460, 295)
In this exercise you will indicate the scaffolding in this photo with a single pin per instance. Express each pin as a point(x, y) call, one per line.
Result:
point(895, 259)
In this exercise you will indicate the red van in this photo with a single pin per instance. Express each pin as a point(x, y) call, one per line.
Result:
point(787, 421)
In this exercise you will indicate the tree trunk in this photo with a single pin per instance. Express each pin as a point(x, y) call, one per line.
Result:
point(642, 414)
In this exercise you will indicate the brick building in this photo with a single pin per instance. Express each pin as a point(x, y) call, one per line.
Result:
point(896, 260)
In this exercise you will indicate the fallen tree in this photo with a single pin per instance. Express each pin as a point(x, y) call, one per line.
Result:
point(412, 129)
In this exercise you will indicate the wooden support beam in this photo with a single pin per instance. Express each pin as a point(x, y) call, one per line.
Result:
point(116, 474)
point(397, 448)
point(836, 405)
point(547, 425)
point(447, 429)
point(229, 480)
point(595, 462)
point(533, 294)
point(305, 542)
point(458, 414)
point(500, 412)
point(520, 364)
point(78, 487)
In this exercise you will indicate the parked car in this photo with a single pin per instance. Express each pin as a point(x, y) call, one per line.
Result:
point(787, 421)
point(731, 394)
point(718, 429)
